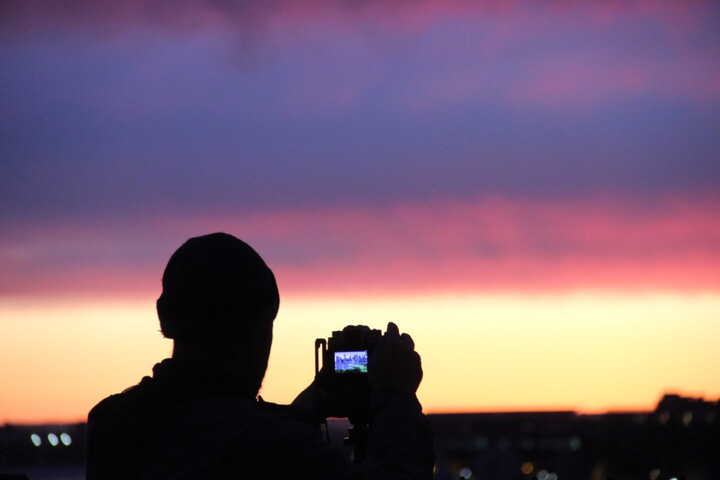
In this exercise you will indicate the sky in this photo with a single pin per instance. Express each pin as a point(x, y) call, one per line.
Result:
point(529, 188)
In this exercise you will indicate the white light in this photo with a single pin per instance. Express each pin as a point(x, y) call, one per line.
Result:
point(66, 439)
point(35, 439)
point(552, 476)
point(465, 472)
point(542, 475)
point(53, 439)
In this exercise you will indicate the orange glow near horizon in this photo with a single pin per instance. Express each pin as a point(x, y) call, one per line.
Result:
point(590, 351)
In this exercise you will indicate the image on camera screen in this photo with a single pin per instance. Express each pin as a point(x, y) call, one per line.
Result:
point(351, 362)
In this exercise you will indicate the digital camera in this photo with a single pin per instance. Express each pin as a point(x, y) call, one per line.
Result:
point(345, 358)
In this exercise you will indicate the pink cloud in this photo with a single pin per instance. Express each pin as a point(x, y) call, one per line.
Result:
point(587, 82)
point(484, 244)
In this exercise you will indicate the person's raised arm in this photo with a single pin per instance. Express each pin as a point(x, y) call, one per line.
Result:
point(400, 439)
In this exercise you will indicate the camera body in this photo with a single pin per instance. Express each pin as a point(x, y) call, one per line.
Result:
point(345, 358)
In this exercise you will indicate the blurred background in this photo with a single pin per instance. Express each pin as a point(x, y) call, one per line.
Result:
point(528, 188)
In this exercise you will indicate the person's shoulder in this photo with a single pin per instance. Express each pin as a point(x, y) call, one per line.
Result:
point(113, 406)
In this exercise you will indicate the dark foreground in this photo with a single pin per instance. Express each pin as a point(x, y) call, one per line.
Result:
point(678, 440)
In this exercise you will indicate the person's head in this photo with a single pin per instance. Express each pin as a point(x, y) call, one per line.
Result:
point(219, 297)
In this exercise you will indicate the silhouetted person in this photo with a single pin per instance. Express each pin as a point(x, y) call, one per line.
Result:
point(198, 416)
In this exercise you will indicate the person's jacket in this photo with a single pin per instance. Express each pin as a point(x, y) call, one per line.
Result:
point(190, 423)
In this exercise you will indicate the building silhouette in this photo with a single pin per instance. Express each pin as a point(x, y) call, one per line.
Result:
point(680, 439)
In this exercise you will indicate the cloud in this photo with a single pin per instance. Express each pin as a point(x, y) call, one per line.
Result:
point(487, 244)
point(415, 14)
point(330, 58)
point(162, 124)
point(139, 110)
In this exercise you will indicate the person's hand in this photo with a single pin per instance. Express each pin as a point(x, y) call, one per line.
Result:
point(394, 365)
point(311, 404)
point(323, 399)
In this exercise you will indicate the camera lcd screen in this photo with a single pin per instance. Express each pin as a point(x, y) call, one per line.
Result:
point(351, 362)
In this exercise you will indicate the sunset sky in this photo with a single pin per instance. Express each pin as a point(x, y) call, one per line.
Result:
point(531, 189)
